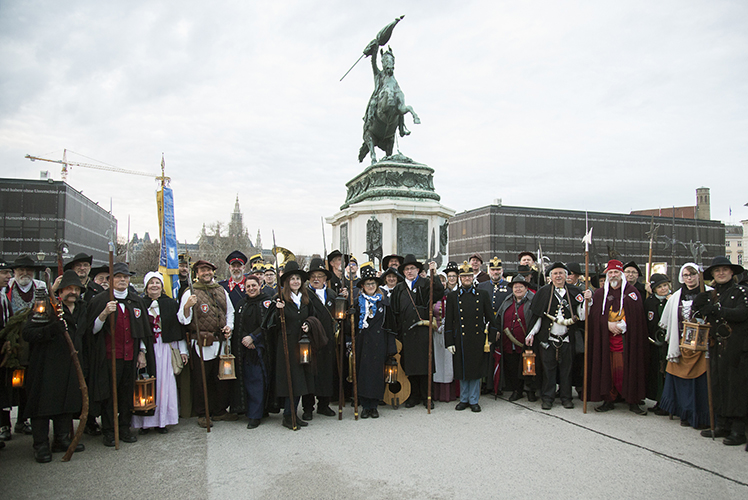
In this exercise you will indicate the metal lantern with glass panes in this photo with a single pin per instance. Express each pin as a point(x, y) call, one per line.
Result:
point(528, 363)
point(694, 336)
point(305, 350)
point(144, 395)
point(390, 370)
point(19, 375)
point(226, 366)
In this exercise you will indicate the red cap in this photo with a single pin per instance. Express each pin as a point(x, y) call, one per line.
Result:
point(614, 265)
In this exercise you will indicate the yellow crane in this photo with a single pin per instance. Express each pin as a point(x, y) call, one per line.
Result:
point(68, 164)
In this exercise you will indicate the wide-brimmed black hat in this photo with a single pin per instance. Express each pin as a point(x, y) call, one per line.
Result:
point(98, 270)
point(574, 268)
point(24, 261)
point(317, 264)
point(367, 273)
point(452, 267)
point(69, 278)
point(387, 258)
point(410, 259)
point(524, 270)
point(557, 265)
point(336, 253)
point(81, 257)
point(393, 271)
point(633, 264)
point(719, 262)
point(236, 255)
point(121, 268)
point(291, 268)
point(657, 279)
point(532, 255)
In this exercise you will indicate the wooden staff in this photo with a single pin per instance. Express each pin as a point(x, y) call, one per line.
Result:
point(112, 323)
point(202, 356)
point(341, 354)
point(78, 370)
point(282, 315)
point(708, 367)
point(431, 340)
point(586, 327)
point(353, 351)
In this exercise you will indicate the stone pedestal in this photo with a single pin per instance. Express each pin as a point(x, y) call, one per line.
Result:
point(392, 208)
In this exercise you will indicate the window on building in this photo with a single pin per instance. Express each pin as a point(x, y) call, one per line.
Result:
point(740, 243)
point(727, 244)
point(740, 259)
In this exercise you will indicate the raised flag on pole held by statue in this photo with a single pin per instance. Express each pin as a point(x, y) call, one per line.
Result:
point(168, 263)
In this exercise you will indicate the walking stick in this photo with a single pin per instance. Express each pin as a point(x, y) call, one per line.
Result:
point(341, 354)
point(78, 370)
point(353, 352)
point(112, 323)
point(431, 340)
point(282, 315)
point(202, 357)
point(708, 368)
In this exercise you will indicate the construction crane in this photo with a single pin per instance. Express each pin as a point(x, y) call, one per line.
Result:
point(68, 164)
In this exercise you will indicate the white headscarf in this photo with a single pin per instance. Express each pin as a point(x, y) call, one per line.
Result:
point(154, 274)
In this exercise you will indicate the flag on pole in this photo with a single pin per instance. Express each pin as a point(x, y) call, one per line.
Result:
point(168, 263)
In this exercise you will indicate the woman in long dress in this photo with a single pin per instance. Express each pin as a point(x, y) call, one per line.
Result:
point(445, 387)
point(686, 392)
point(167, 334)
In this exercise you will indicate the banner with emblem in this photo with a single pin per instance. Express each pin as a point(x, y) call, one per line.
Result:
point(168, 263)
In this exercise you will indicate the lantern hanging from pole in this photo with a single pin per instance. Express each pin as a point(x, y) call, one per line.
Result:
point(528, 363)
point(226, 366)
point(340, 304)
point(19, 374)
point(694, 336)
point(305, 350)
point(144, 395)
point(390, 370)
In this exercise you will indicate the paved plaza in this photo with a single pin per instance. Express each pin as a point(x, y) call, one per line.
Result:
point(508, 450)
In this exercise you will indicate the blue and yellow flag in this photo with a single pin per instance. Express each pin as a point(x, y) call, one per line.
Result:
point(168, 263)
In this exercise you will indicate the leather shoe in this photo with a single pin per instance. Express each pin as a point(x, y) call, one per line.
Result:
point(718, 433)
point(287, 423)
point(568, 404)
point(461, 406)
point(635, 408)
point(128, 437)
point(606, 406)
point(374, 413)
point(162, 430)
point(547, 405)
point(660, 412)
point(23, 427)
point(253, 423)
point(42, 454)
point(307, 415)
point(108, 440)
point(475, 408)
point(92, 428)
point(61, 445)
point(144, 431)
point(365, 413)
point(5, 433)
point(411, 402)
point(326, 411)
point(734, 439)
point(531, 396)
point(515, 396)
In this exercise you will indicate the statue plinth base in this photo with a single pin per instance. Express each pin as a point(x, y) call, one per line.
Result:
point(392, 208)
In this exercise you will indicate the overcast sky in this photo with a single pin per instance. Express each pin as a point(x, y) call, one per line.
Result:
point(589, 105)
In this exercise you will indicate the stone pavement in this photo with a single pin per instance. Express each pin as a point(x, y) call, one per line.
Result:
point(509, 450)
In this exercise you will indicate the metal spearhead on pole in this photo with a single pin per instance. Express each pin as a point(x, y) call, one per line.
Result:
point(587, 242)
point(282, 315)
point(112, 325)
point(431, 340)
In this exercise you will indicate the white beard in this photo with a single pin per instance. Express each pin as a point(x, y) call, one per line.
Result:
point(614, 283)
point(24, 281)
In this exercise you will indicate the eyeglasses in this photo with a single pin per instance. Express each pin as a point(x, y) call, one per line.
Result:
point(689, 275)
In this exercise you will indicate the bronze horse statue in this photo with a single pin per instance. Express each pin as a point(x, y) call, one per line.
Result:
point(386, 110)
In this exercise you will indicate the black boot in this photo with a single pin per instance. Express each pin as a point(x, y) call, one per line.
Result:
point(60, 444)
point(42, 453)
point(515, 396)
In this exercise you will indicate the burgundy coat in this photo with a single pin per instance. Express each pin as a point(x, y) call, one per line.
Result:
point(635, 347)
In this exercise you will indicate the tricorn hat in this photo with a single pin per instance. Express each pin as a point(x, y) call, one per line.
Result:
point(368, 273)
point(721, 261)
point(81, 257)
point(317, 264)
point(236, 255)
point(410, 260)
point(69, 278)
point(291, 268)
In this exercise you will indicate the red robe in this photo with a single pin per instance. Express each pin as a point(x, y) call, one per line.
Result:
point(635, 346)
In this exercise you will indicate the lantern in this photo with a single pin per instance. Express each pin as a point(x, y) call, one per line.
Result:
point(305, 350)
point(694, 337)
point(340, 307)
point(390, 370)
point(226, 366)
point(144, 395)
point(41, 306)
point(528, 363)
point(18, 377)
